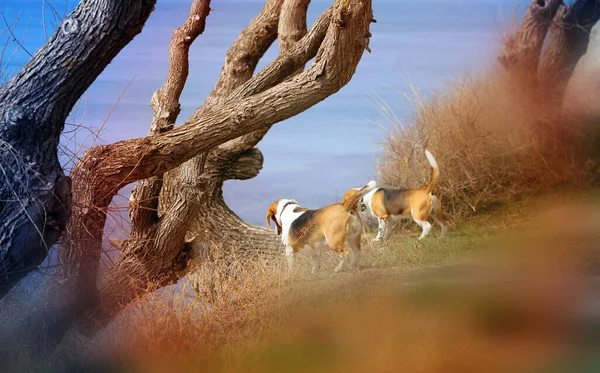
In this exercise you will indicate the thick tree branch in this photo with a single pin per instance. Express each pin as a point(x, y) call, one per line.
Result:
point(82, 249)
point(292, 26)
point(240, 62)
point(162, 240)
point(145, 235)
point(288, 61)
point(245, 52)
point(165, 103)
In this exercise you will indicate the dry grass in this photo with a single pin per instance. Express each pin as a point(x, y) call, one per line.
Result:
point(495, 142)
point(254, 318)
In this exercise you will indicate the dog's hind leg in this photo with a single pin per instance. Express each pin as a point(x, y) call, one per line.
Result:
point(354, 243)
point(426, 226)
point(421, 219)
point(339, 248)
point(438, 216)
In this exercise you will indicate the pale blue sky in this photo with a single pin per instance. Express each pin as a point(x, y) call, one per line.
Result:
point(316, 156)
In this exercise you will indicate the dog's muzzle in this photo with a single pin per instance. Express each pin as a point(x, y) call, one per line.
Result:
point(361, 206)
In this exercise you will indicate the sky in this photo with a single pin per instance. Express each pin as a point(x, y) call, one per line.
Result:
point(315, 156)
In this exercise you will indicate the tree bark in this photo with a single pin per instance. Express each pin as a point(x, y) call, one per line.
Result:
point(166, 107)
point(35, 194)
point(521, 52)
point(567, 43)
point(264, 100)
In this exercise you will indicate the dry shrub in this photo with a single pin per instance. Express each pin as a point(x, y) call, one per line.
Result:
point(494, 141)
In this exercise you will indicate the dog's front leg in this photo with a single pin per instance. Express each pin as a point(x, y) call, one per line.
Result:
point(340, 266)
point(388, 227)
point(381, 229)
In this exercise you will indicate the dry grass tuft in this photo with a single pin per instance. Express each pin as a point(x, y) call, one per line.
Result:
point(494, 141)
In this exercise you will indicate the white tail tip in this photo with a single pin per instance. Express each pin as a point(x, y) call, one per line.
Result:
point(431, 159)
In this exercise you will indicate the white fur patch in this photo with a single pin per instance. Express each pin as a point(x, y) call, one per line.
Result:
point(431, 159)
point(366, 200)
point(285, 216)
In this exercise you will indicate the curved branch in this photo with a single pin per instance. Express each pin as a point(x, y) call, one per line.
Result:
point(143, 208)
point(292, 26)
point(245, 52)
point(240, 62)
point(288, 63)
point(146, 234)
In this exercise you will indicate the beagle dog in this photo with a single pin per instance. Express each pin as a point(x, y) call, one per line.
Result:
point(327, 228)
point(391, 204)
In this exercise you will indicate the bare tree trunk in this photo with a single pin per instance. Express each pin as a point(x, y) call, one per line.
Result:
point(34, 193)
point(235, 154)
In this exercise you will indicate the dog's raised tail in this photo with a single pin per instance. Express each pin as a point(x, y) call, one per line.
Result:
point(435, 171)
point(349, 202)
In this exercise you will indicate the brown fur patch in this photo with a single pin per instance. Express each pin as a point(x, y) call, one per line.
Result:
point(402, 202)
point(271, 212)
point(327, 223)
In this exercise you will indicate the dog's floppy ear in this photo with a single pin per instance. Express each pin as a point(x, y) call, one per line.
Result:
point(349, 194)
point(271, 212)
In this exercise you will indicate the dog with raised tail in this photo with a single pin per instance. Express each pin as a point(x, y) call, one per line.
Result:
point(317, 231)
point(388, 205)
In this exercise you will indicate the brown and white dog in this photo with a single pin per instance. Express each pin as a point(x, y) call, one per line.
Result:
point(327, 228)
point(388, 205)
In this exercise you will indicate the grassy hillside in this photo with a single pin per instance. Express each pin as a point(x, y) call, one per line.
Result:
point(486, 298)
